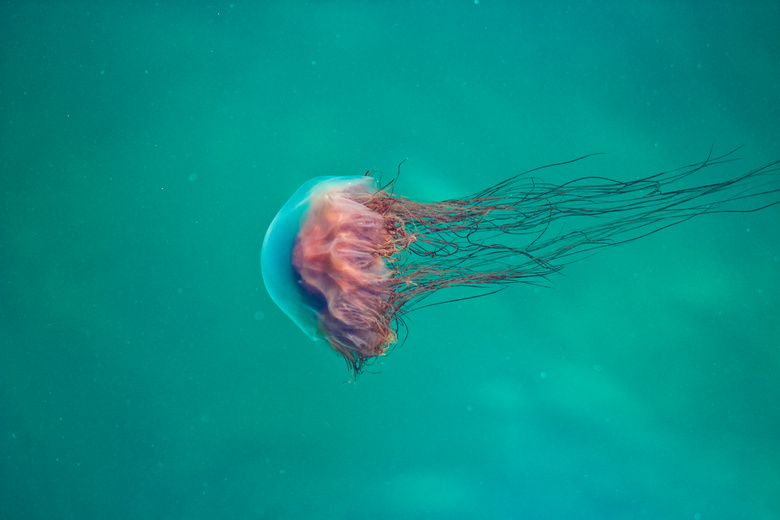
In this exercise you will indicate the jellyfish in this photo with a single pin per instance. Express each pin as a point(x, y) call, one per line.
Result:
point(346, 258)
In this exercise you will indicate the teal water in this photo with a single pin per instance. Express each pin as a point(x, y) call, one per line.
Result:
point(144, 372)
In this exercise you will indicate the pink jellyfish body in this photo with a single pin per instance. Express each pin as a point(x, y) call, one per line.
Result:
point(346, 258)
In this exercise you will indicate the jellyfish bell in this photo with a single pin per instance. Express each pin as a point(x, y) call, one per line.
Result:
point(281, 279)
point(323, 265)
point(345, 258)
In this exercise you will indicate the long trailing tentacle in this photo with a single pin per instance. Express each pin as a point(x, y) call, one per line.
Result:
point(523, 229)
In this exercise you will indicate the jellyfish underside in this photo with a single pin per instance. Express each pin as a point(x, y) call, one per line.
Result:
point(364, 256)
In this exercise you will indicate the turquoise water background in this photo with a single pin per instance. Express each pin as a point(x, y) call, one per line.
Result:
point(145, 373)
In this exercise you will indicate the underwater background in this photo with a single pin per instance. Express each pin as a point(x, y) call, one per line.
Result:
point(145, 373)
